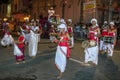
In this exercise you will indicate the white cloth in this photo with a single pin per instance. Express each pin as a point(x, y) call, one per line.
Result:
point(72, 41)
point(27, 34)
point(7, 40)
point(17, 51)
point(103, 46)
point(35, 28)
point(91, 54)
point(62, 26)
point(60, 58)
point(27, 37)
point(33, 44)
point(112, 23)
point(62, 21)
point(110, 49)
point(95, 21)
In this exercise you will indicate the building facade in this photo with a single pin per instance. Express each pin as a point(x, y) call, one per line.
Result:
point(77, 10)
point(102, 10)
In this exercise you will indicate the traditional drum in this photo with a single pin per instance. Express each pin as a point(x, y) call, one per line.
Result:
point(91, 43)
point(109, 40)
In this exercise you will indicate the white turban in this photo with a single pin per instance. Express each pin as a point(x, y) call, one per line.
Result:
point(62, 21)
point(105, 22)
point(62, 26)
point(112, 23)
point(94, 20)
point(69, 20)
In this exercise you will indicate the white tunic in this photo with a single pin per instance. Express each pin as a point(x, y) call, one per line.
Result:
point(33, 43)
point(7, 40)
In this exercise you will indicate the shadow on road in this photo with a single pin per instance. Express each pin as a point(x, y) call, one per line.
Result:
point(85, 73)
point(10, 64)
point(17, 78)
point(108, 68)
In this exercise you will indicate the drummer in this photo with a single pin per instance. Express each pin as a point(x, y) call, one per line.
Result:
point(112, 31)
point(104, 33)
point(91, 53)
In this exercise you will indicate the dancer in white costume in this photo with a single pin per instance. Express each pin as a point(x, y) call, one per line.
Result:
point(63, 50)
point(7, 39)
point(112, 32)
point(91, 53)
point(33, 44)
point(35, 28)
point(26, 30)
point(33, 41)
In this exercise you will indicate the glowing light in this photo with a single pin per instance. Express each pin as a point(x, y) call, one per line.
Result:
point(5, 19)
point(26, 19)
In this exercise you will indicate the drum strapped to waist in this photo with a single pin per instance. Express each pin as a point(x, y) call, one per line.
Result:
point(87, 44)
point(108, 40)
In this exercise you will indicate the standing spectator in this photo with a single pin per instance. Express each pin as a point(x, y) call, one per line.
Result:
point(77, 29)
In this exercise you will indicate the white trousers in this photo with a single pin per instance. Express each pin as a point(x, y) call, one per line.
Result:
point(72, 41)
point(91, 54)
point(103, 46)
point(110, 49)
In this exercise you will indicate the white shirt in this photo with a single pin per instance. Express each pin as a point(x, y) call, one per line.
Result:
point(36, 28)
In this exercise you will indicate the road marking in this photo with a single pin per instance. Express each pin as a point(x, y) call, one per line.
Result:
point(76, 60)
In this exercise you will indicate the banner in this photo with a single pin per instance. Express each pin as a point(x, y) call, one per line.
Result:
point(89, 6)
point(89, 11)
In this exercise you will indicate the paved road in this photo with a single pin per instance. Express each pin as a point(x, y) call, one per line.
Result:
point(43, 68)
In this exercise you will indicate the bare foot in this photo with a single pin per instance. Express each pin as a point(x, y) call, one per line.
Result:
point(17, 63)
point(60, 76)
